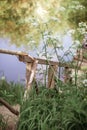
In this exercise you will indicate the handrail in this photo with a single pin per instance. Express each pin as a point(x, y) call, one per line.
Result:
point(27, 58)
point(18, 53)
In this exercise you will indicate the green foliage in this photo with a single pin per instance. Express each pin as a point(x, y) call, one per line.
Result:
point(76, 17)
point(23, 20)
point(76, 11)
point(52, 109)
point(3, 123)
point(77, 120)
point(61, 108)
point(40, 112)
point(11, 92)
point(20, 20)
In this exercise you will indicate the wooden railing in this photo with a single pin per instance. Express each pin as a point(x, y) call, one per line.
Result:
point(31, 65)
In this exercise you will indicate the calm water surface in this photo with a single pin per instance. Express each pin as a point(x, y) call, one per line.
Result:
point(10, 66)
point(13, 69)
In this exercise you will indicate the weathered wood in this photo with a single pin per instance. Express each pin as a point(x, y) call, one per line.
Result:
point(7, 105)
point(80, 55)
point(80, 59)
point(18, 53)
point(48, 62)
point(51, 75)
point(12, 52)
point(24, 57)
point(30, 73)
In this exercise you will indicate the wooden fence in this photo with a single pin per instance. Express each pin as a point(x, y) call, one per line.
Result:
point(31, 66)
point(32, 62)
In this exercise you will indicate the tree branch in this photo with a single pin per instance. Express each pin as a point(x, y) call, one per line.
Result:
point(7, 105)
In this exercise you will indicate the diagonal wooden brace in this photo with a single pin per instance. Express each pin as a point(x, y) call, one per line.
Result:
point(51, 75)
point(30, 73)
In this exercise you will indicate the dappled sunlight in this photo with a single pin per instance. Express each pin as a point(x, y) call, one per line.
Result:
point(41, 12)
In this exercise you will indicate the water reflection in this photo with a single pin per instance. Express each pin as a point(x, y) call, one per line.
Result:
point(14, 70)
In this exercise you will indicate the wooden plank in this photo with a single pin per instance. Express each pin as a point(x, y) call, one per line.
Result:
point(48, 62)
point(18, 53)
point(51, 75)
point(30, 73)
point(24, 57)
point(12, 52)
point(79, 59)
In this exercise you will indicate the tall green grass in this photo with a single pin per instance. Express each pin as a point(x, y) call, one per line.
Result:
point(55, 110)
point(11, 92)
point(61, 108)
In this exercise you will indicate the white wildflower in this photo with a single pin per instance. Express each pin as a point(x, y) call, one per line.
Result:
point(76, 43)
point(80, 7)
point(59, 46)
point(82, 24)
point(32, 42)
point(72, 31)
point(55, 19)
point(85, 82)
point(46, 33)
point(3, 78)
point(35, 24)
point(62, 9)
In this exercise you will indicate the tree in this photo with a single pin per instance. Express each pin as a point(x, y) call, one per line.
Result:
point(76, 17)
point(23, 20)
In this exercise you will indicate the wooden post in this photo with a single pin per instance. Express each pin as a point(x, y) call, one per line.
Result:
point(51, 75)
point(30, 73)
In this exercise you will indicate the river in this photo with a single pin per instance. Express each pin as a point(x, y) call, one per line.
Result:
point(13, 70)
